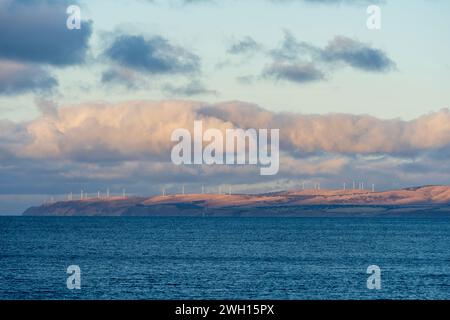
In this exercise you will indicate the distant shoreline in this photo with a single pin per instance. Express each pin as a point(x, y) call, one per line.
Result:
point(420, 201)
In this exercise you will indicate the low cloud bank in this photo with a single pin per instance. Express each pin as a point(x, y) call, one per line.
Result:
point(98, 145)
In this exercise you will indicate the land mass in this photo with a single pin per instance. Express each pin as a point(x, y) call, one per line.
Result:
point(418, 201)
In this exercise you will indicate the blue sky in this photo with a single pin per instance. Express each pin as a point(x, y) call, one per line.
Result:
point(414, 35)
point(381, 96)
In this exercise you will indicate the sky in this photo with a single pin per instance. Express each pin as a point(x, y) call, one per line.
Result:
point(93, 108)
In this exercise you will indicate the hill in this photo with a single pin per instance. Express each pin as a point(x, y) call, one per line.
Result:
point(426, 200)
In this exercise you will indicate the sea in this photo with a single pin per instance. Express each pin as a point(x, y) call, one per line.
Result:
point(224, 258)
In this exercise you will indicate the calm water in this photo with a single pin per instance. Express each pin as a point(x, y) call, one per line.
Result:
point(224, 258)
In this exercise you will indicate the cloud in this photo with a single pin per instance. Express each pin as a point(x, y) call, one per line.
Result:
point(122, 76)
point(18, 78)
point(193, 88)
point(300, 73)
point(47, 107)
point(154, 55)
point(36, 32)
point(95, 145)
point(291, 49)
point(357, 55)
point(34, 38)
point(246, 45)
point(247, 79)
point(134, 128)
point(303, 62)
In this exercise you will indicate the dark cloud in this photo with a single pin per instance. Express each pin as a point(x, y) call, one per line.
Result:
point(36, 32)
point(357, 55)
point(154, 55)
point(246, 45)
point(112, 75)
point(193, 88)
point(16, 78)
point(302, 62)
point(291, 49)
point(300, 73)
point(292, 61)
point(122, 76)
point(341, 49)
point(12, 134)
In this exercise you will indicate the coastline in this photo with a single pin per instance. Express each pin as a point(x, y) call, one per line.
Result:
point(421, 201)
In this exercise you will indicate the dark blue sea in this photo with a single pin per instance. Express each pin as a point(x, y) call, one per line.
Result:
point(224, 258)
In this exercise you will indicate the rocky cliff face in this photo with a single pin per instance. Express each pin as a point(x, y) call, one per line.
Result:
point(429, 200)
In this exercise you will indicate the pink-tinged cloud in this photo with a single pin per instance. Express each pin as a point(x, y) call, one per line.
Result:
point(136, 129)
point(98, 145)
